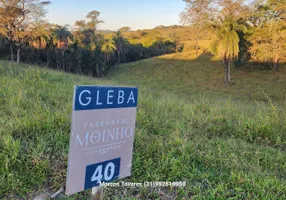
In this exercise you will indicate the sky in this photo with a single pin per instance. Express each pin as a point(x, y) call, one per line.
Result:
point(137, 14)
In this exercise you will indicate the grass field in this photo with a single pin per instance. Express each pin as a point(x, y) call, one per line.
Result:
point(224, 141)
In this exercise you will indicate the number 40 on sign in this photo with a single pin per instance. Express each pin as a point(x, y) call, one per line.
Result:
point(102, 173)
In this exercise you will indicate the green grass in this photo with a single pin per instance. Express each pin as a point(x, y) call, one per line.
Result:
point(181, 73)
point(224, 141)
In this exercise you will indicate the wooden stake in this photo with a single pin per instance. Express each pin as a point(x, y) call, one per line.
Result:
point(57, 193)
point(97, 193)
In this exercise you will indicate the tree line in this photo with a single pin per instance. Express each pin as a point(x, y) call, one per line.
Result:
point(244, 30)
point(82, 49)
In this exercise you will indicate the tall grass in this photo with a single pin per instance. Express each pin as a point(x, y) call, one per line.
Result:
point(222, 147)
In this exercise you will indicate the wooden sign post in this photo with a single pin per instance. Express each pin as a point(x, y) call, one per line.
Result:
point(97, 193)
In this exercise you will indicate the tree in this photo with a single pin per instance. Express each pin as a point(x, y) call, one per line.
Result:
point(269, 32)
point(88, 40)
point(226, 18)
point(90, 24)
point(39, 35)
point(226, 43)
point(229, 18)
point(197, 14)
point(108, 48)
point(268, 44)
point(163, 45)
point(124, 29)
point(61, 37)
point(93, 19)
point(120, 43)
point(15, 17)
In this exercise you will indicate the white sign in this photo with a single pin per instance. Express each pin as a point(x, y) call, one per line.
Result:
point(102, 135)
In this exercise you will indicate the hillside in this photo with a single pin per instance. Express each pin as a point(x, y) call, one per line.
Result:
point(186, 75)
point(224, 141)
point(179, 33)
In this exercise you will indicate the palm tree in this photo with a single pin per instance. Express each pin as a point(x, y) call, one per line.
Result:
point(39, 36)
point(226, 42)
point(88, 37)
point(108, 48)
point(61, 37)
point(120, 43)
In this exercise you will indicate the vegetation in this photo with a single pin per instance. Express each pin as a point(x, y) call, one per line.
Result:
point(227, 43)
point(241, 26)
point(226, 139)
point(269, 33)
point(189, 128)
point(15, 22)
point(83, 50)
point(262, 21)
point(186, 75)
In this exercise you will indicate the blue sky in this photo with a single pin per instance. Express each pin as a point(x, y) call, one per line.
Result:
point(137, 14)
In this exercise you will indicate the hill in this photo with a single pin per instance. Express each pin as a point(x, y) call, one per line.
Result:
point(182, 35)
point(184, 74)
point(225, 142)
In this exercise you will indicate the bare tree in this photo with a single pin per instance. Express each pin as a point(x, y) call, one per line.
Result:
point(196, 14)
